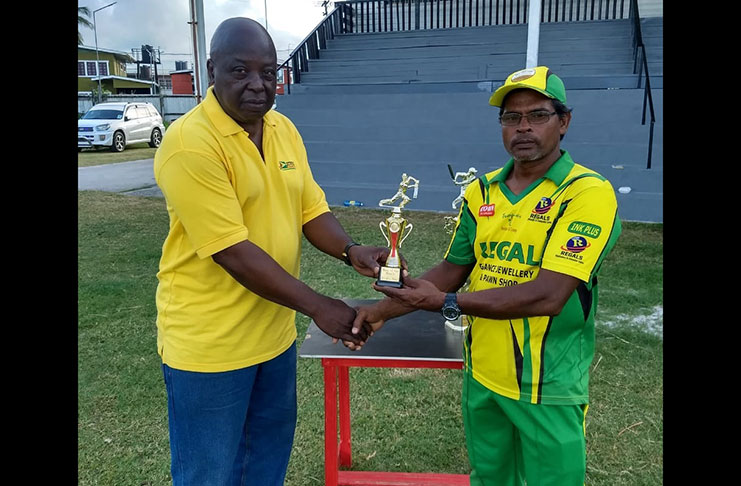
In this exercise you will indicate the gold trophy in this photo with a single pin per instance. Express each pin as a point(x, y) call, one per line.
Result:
point(398, 229)
point(461, 179)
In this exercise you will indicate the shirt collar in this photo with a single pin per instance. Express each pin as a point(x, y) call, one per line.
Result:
point(223, 122)
point(557, 172)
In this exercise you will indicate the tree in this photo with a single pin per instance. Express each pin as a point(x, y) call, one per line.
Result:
point(82, 12)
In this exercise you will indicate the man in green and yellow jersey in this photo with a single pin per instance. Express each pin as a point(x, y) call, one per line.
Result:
point(531, 237)
point(240, 194)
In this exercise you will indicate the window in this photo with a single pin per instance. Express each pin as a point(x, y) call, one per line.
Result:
point(87, 68)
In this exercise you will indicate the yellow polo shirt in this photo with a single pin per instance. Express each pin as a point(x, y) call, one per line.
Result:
point(219, 192)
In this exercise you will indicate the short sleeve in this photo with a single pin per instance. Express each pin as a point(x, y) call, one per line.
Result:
point(313, 199)
point(461, 250)
point(585, 232)
point(197, 188)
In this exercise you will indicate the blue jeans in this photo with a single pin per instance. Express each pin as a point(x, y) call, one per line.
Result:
point(233, 428)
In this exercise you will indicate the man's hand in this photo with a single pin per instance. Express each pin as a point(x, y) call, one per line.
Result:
point(336, 319)
point(367, 260)
point(417, 293)
point(367, 318)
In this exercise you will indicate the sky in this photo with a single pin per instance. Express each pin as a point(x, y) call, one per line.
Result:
point(163, 24)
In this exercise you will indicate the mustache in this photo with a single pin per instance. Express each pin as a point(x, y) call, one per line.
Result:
point(523, 139)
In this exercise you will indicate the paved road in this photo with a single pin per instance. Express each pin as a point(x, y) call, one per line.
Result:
point(132, 178)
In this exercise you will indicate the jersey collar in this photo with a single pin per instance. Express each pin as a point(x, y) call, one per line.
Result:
point(557, 172)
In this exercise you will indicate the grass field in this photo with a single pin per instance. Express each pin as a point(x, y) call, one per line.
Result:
point(101, 156)
point(403, 420)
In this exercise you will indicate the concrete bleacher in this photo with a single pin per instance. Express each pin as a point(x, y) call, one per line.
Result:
point(376, 105)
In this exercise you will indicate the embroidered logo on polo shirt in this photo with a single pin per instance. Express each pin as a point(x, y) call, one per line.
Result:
point(286, 165)
point(486, 210)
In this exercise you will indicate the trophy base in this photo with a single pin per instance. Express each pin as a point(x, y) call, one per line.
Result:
point(389, 277)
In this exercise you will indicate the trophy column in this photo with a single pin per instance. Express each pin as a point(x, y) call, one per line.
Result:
point(395, 229)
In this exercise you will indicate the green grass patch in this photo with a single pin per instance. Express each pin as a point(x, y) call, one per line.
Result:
point(102, 156)
point(403, 420)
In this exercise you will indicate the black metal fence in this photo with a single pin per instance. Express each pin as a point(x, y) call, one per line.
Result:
point(394, 15)
point(640, 66)
point(360, 16)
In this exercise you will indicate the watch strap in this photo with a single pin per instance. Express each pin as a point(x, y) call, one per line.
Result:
point(345, 255)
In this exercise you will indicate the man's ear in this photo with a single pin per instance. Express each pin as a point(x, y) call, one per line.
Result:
point(564, 120)
point(210, 70)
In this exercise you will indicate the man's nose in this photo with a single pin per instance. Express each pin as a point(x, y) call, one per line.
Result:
point(524, 124)
point(254, 82)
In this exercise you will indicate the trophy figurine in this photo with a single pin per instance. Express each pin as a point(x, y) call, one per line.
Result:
point(395, 229)
point(462, 179)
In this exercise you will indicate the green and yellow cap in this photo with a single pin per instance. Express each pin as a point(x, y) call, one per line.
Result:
point(540, 79)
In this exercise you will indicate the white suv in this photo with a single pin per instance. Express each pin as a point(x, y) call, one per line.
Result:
point(118, 124)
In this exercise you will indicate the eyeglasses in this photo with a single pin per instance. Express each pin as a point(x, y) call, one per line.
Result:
point(533, 118)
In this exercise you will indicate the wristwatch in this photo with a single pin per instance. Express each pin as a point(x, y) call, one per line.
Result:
point(450, 309)
point(345, 255)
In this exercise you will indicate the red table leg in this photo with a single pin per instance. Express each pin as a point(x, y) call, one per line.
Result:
point(330, 424)
point(345, 436)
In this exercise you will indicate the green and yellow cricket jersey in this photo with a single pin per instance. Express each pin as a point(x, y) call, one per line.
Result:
point(564, 222)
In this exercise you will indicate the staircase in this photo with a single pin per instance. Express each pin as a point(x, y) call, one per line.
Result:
point(378, 104)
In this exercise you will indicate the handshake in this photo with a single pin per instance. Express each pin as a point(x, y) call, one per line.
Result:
point(354, 326)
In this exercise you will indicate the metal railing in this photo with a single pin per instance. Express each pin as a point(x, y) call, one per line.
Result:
point(395, 15)
point(640, 67)
point(312, 45)
point(361, 16)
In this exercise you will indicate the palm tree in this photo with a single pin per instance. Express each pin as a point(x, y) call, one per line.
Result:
point(82, 12)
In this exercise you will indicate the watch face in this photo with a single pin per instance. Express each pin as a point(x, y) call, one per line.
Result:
point(450, 313)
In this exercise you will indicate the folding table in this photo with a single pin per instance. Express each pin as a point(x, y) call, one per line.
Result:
point(419, 339)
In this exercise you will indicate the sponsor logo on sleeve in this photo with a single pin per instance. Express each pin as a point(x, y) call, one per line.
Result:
point(576, 244)
point(585, 229)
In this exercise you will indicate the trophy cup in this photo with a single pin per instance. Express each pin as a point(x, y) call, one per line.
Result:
point(395, 229)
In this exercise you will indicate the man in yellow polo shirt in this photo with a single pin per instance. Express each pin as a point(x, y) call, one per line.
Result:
point(239, 195)
point(531, 237)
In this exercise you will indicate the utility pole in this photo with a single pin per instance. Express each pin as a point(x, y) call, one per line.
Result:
point(198, 30)
point(97, 56)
